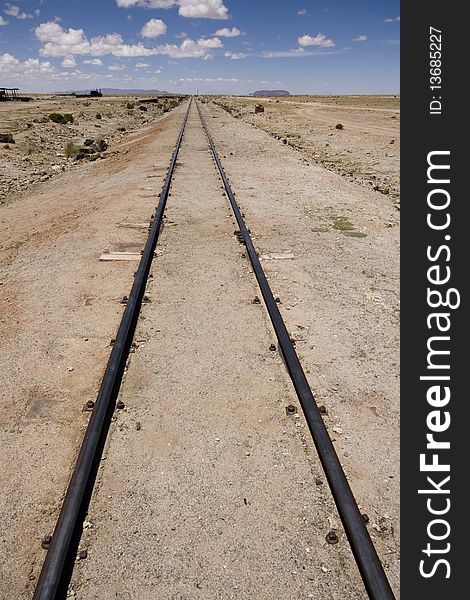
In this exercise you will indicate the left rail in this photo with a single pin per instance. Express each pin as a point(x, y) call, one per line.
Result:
point(58, 551)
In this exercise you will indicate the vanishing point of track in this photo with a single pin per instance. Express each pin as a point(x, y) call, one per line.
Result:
point(68, 525)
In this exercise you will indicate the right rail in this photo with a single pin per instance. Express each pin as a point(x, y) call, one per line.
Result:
point(368, 562)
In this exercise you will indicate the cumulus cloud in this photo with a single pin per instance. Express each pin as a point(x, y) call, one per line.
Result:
point(235, 55)
point(140, 65)
point(392, 20)
point(116, 67)
point(32, 66)
point(94, 61)
point(3, 22)
point(226, 32)
point(319, 40)
point(14, 11)
point(210, 43)
point(58, 41)
point(301, 12)
point(69, 62)
point(192, 9)
point(360, 38)
point(153, 28)
point(67, 42)
point(203, 9)
point(187, 49)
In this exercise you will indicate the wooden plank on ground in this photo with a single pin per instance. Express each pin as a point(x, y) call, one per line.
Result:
point(121, 256)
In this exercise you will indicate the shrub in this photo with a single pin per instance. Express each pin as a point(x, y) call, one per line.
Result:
point(101, 145)
point(6, 147)
point(259, 108)
point(98, 116)
point(339, 126)
point(71, 150)
point(143, 108)
point(130, 105)
point(62, 119)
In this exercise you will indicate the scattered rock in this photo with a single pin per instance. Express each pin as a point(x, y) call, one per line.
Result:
point(6, 138)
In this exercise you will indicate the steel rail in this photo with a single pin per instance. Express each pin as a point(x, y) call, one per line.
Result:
point(370, 567)
point(52, 569)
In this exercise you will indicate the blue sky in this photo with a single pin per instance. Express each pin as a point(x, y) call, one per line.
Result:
point(214, 46)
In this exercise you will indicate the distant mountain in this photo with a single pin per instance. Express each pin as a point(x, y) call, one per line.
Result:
point(271, 93)
point(136, 92)
point(118, 92)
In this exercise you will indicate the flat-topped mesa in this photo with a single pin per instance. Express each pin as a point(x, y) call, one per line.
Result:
point(260, 93)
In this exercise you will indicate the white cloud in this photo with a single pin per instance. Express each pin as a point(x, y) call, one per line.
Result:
point(226, 32)
point(284, 54)
point(392, 20)
point(32, 66)
point(146, 3)
point(14, 11)
point(58, 41)
point(94, 61)
point(210, 43)
point(301, 12)
point(203, 9)
point(69, 62)
point(142, 65)
point(319, 40)
point(209, 79)
point(61, 42)
point(153, 28)
point(116, 67)
point(187, 49)
point(299, 52)
point(192, 9)
point(235, 55)
point(3, 22)
point(360, 38)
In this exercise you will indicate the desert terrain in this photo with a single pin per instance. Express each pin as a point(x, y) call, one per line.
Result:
point(207, 488)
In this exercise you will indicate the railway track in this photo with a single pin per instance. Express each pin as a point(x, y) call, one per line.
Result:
point(62, 546)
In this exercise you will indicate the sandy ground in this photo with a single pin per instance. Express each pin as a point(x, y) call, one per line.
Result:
point(39, 151)
point(59, 309)
point(365, 150)
point(217, 485)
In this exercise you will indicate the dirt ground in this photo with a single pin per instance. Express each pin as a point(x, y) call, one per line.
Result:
point(214, 437)
point(40, 149)
point(365, 149)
